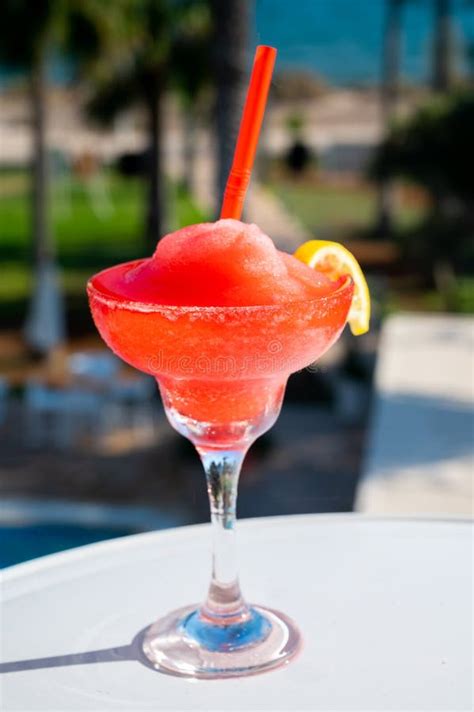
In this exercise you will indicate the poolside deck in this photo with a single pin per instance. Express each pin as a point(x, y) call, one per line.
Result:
point(419, 456)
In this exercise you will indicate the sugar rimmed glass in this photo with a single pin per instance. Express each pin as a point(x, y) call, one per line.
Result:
point(222, 373)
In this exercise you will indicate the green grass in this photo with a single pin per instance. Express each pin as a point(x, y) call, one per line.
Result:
point(78, 229)
point(93, 226)
point(17, 281)
point(88, 230)
point(460, 299)
point(93, 232)
point(339, 213)
point(325, 210)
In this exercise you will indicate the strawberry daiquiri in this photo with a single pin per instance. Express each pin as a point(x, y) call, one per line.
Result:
point(220, 318)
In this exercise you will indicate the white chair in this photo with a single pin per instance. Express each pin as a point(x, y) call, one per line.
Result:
point(99, 366)
point(130, 402)
point(58, 416)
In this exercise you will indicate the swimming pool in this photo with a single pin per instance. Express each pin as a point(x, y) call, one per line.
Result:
point(33, 528)
point(24, 542)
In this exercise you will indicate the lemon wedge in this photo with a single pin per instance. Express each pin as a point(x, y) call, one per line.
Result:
point(334, 260)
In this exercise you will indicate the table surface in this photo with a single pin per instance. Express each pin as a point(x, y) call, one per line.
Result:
point(384, 606)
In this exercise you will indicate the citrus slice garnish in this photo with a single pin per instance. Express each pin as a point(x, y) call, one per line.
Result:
point(335, 260)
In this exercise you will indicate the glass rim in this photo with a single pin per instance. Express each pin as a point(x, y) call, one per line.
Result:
point(151, 307)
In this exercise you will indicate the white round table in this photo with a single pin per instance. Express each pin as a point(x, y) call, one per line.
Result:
point(384, 606)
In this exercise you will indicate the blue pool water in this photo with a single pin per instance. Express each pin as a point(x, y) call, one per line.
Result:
point(31, 527)
point(20, 543)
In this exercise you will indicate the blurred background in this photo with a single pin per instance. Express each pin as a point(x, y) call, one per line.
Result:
point(117, 125)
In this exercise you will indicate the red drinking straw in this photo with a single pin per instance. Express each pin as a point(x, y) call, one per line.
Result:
point(252, 117)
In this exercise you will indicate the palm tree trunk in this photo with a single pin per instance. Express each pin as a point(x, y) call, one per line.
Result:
point(189, 148)
point(442, 46)
point(470, 60)
point(155, 220)
point(231, 23)
point(41, 224)
point(389, 98)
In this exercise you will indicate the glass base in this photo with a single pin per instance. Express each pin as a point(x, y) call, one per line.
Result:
point(186, 644)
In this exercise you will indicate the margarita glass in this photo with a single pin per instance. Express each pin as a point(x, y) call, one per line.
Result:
point(222, 372)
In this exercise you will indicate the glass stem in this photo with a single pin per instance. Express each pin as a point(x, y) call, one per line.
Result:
point(224, 603)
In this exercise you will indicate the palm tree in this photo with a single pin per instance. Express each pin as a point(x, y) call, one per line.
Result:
point(430, 147)
point(231, 34)
point(29, 32)
point(139, 74)
point(389, 98)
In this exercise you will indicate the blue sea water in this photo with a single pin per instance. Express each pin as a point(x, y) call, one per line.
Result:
point(342, 40)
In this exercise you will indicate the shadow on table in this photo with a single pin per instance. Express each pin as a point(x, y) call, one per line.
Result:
point(132, 652)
